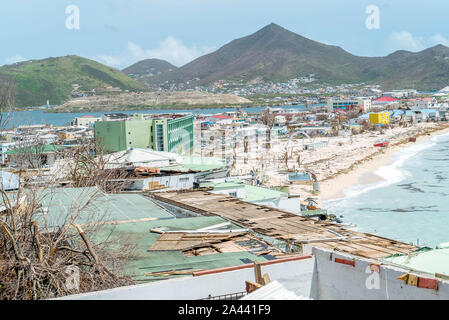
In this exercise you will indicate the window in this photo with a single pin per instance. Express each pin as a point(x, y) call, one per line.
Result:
point(160, 137)
point(233, 194)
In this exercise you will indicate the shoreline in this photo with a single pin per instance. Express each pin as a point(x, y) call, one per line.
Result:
point(363, 174)
point(154, 108)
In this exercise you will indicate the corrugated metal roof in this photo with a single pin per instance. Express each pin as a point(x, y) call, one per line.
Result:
point(141, 157)
point(273, 291)
point(252, 193)
point(142, 261)
point(191, 163)
point(48, 148)
point(93, 205)
point(430, 261)
point(255, 194)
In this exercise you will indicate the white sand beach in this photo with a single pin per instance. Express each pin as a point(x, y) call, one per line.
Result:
point(363, 173)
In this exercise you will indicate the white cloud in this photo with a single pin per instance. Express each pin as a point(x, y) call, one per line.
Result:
point(14, 59)
point(108, 60)
point(439, 39)
point(170, 49)
point(404, 40)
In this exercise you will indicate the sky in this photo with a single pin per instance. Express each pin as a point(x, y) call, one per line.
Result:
point(121, 32)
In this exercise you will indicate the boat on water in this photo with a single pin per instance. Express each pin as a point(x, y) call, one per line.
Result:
point(382, 144)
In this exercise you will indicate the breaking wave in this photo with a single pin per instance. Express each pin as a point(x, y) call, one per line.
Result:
point(392, 173)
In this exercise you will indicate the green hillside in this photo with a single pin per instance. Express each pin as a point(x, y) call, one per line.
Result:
point(144, 71)
point(52, 79)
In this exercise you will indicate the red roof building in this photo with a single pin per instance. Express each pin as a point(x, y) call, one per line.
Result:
point(220, 116)
point(386, 99)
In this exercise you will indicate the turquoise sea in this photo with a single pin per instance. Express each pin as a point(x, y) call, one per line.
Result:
point(411, 204)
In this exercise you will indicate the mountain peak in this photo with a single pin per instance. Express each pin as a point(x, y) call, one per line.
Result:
point(440, 46)
point(272, 27)
point(276, 54)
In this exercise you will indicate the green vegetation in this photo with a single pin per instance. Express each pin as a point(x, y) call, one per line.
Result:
point(148, 68)
point(52, 79)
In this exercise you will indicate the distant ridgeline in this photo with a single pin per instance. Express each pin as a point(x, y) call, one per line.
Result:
point(275, 54)
point(272, 54)
point(57, 80)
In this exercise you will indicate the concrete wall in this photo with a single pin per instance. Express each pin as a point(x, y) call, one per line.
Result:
point(292, 205)
point(173, 182)
point(320, 277)
point(294, 275)
point(239, 192)
point(336, 281)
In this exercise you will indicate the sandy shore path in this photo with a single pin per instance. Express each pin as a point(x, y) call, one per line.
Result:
point(363, 172)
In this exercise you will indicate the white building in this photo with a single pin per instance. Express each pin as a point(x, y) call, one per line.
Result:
point(137, 157)
point(425, 103)
point(259, 195)
point(400, 93)
point(85, 121)
point(333, 104)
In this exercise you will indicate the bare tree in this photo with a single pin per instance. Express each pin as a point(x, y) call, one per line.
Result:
point(269, 120)
point(298, 160)
point(245, 144)
point(37, 256)
point(87, 167)
point(29, 154)
point(7, 100)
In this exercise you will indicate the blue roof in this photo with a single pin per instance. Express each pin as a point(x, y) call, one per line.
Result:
point(427, 110)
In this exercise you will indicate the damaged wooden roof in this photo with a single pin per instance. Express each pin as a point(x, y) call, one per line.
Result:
point(182, 241)
point(286, 226)
point(204, 243)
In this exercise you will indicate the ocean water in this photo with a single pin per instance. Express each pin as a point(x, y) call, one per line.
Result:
point(61, 119)
point(411, 203)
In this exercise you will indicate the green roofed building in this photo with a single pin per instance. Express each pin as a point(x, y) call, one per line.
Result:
point(258, 195)
point(143, 261)
point(433, 261)
point(46, 148)
point(35, 156)
point(173, 134)
point(90, 205)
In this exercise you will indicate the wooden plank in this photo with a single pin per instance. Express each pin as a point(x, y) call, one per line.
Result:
point(266, 279)
point(258, 273)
